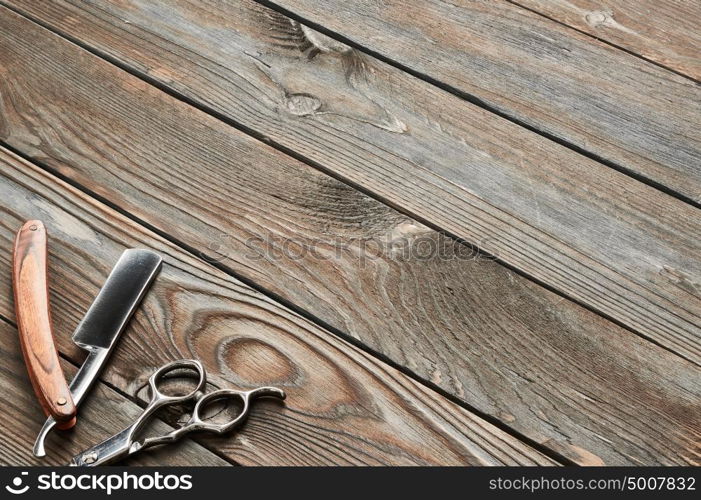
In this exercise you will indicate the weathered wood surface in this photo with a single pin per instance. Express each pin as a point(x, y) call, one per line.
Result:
point(469, 325)
point(104, 413)
point(343, 406)
point(543, 209)
point(664, 31)
point(564, 83)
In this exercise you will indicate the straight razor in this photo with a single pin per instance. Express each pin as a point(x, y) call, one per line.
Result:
point(105, 321)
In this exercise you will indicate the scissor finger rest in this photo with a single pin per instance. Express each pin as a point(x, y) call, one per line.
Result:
point(244, 398)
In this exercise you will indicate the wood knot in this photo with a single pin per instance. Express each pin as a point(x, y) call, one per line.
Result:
point(257, 362)
point(597, 18)
point(302, 104)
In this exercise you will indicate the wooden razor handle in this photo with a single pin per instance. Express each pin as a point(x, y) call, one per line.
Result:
point(31, 290)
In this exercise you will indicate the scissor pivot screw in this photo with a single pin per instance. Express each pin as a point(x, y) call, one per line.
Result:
point(61, 401)
point(90, 459)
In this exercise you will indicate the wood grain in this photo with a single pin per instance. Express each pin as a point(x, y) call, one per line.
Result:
point(664, 31)
point(104, 413)
point(343, 406)
point(462, 321)
point(563, 83)
point(30, 286)
point(620, 247)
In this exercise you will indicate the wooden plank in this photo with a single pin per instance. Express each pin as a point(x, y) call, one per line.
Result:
point(466, 324)
point(553, 214)
point(343, 406)
point(563, 83)
point(104, 413)
point(664, 31)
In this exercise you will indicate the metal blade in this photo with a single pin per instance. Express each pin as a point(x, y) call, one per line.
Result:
point(110, 450)
point(118, 299)
point(105, 321)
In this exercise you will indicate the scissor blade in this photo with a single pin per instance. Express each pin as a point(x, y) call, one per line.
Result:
point(105, 321)
point(108, 451)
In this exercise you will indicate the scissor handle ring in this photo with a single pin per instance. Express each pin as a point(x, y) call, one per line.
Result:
point(158, 398)
point(245, 397)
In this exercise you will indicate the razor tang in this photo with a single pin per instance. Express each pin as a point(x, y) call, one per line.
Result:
point(105, 321)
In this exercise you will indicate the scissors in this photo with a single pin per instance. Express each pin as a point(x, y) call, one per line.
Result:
point(123, 444)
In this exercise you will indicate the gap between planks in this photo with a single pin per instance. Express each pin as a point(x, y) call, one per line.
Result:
point(482, 103)
point(469, 97)
point(605, 40)
point(140, 403)
point(551, 453)
point(221, 116)
point(84, 434)
point(420, 408)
